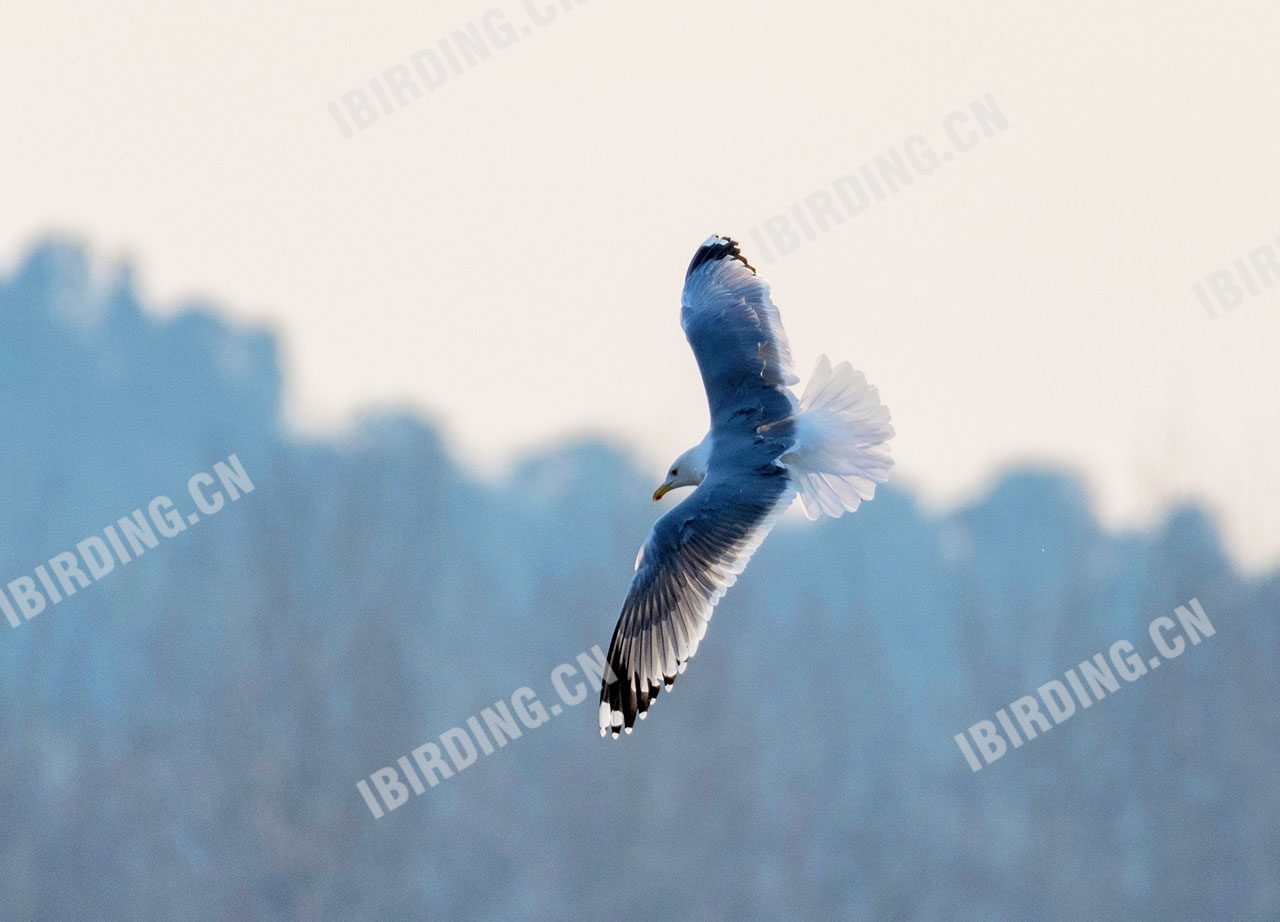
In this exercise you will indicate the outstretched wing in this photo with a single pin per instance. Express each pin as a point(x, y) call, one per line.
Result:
point(694, 553)
point(736, 335)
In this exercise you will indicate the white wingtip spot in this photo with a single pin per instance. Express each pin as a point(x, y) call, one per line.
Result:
point(617, 718)
point(628, 729)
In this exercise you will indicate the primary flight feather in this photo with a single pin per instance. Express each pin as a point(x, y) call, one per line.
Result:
point(764, 448)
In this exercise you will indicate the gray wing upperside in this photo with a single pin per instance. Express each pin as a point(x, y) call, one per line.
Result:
point(736, 334)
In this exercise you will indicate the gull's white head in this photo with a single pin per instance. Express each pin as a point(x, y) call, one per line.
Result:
point(688, 470)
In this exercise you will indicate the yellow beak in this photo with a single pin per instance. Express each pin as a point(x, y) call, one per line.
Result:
point(661, 492)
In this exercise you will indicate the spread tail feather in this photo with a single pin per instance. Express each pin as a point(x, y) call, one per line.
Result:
point(842, 434)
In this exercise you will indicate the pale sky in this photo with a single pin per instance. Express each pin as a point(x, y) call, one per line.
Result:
point(506, 253)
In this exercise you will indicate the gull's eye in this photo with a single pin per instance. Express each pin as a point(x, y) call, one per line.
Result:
point(673, 472)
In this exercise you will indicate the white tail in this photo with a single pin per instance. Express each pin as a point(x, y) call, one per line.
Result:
point(842, 434)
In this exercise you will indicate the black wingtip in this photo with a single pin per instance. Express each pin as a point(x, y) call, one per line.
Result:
point(717, 248)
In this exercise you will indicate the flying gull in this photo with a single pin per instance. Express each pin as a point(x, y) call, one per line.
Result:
point(764, 448)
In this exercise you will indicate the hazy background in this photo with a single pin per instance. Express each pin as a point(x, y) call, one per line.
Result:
point(507, 253)
point(182, 739)
point(447, 352)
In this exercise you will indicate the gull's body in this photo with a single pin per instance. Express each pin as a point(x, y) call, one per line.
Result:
point(765, 447)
